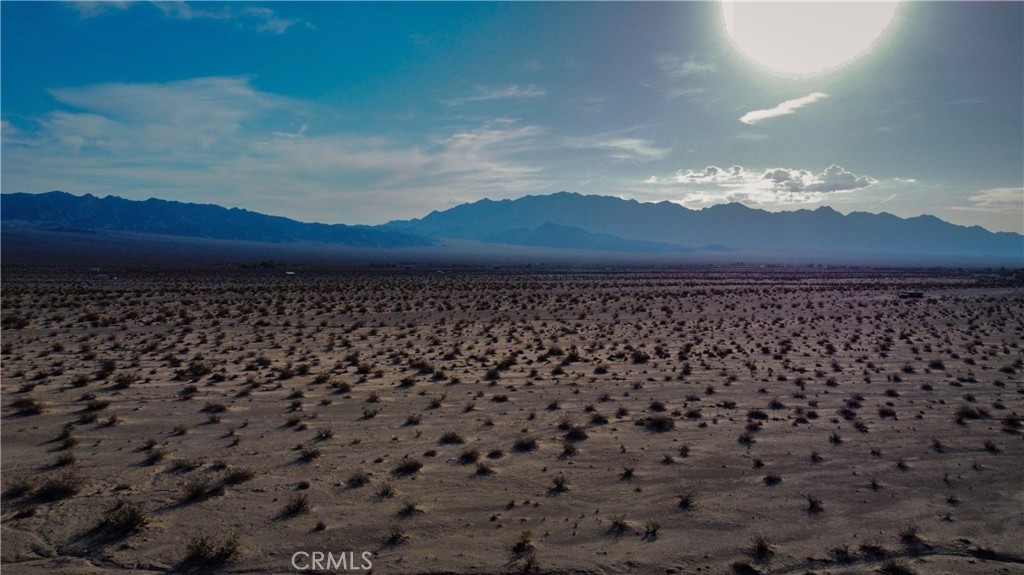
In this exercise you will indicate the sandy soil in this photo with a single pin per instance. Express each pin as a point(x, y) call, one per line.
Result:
point(492, 421)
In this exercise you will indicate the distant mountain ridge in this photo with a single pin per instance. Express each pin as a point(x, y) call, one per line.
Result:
point(563, 220)
point(734, 226)
point(553, 235)
point(61, 211)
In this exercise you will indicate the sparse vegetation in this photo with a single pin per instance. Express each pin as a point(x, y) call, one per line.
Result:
point(206, 552)
point(370, 390)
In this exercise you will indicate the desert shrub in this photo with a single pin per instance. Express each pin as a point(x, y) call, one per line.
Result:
point(214, 408)
point(239, 475)
point(309, 453)
point(524, 543)
point(470, 455)
point(687, 500)
point(297, 505)
point(186, 465)
point(19, 488)
point(757, 414)
point(560, 483)
point(204, 551)
point(26, 406)
point(892, 567)
point(659, 423)
point(409, 508)
point(357, 479)
point(909, 535)
point(201, 488)
point(842, 555)
point(651, 529)
point(576, 433)
point(408, 466)
point(619, 526)
point(156, 455)
point(386, 490)
point(965, 412)
point(525, 444)
point(396, 536)
point(761, 549)
point(65, 459)
point(59, 486)
point(451, 438)
point(125, 517)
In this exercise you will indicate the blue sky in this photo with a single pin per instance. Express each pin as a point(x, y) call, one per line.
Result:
point(368, 112)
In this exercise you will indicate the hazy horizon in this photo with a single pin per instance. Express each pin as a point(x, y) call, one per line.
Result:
point(363, 113)
point(315, 221)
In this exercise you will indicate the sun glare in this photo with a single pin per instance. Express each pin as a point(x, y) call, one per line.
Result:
point(805, 38)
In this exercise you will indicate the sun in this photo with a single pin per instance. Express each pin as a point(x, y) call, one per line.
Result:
point(805, 38)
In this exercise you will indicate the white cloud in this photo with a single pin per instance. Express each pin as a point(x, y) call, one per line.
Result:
point(996, 200)
point(772, 186)
point(833, 179)
point(677, 67)
point(713, 174)
point(265, 20)
point(220, 139)
point(512, 91)
point(90, 9)
point(148, 117)
point(619, 147)
point(260, 19)
point(784, 109)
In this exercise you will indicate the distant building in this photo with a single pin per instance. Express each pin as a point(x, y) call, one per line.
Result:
point(911, 295)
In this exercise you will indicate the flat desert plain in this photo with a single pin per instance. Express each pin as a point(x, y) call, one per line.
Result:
point(469, 420)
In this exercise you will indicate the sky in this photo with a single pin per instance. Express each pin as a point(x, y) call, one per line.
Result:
point(362, 113)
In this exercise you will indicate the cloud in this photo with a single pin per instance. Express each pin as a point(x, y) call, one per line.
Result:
point(713, 174)
point(784, 109)
point(148, 117)
point(677, 67)
point(220, 139)
point(618, 146)
point(91, 9)
point(833, 179)
point(261, 19)
point(996, 200)
point(771, 186)
point(512, 91)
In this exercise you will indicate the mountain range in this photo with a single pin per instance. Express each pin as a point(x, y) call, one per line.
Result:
point(60, 211)
point(725, 226)
point(567, 221)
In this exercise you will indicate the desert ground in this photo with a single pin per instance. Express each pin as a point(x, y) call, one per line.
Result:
point(466, 420)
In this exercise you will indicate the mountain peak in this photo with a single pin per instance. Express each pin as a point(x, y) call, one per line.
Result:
point(565, 219)
point(63, 211)
point(822, 231)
